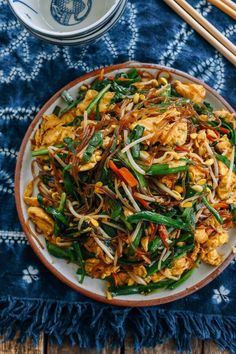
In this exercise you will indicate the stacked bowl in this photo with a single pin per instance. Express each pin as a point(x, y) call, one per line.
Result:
point(68, 22)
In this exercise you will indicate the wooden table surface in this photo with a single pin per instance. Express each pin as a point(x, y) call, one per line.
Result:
point(45, 347)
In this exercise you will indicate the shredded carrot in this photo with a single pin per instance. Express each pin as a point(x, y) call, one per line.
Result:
point(181, 148)
point(111, 78)
point(224, 130)
point(221, 205)
point(128, 177)
point(114, 168)
point(101, 75)
point(123, 78)
point(163, 235)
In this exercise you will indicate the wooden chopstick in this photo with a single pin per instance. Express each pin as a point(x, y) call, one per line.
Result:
point(230, 4)
point(201, 30)
point(207, 25)
point(224, 6)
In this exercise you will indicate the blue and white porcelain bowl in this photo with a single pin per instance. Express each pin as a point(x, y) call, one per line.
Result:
point(64, 18)
point(73, 41)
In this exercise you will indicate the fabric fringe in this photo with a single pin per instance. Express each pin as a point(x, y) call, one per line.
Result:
point(89, 324)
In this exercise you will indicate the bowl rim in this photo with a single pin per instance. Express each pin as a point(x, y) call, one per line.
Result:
point(55, 34)
point(54, 271)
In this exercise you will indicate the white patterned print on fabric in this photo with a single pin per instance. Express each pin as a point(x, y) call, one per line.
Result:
point(182, 36)
point(21, 70)
point(220, 295)
point(20, 113)
point(13, 237)
point(30, 274)
point(6, 183)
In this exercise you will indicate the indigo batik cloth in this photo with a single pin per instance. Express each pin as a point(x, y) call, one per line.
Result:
point(31, 298)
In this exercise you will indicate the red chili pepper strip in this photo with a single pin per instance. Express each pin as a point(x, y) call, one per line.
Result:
point(224, 130)
point(181, 148)
point(221, 205)
point(163, 235)
point(143, 202)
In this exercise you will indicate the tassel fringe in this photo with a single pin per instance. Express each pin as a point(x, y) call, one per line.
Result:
point(94, 325)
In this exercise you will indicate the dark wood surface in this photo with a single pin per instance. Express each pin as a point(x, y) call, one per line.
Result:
point(45, 347)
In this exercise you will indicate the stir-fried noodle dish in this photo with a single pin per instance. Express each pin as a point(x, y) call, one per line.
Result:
point(134, 181)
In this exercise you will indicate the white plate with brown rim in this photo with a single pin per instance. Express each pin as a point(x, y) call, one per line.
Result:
point(65, 271)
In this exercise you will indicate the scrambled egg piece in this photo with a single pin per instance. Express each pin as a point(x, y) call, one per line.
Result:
point(163, 131)
point(90, 95)
point(97, 269)
point(227, 116)
point(41, 219)
point(224, 145)
point(225, 191)
point(97, 156)
point(28, 199)
point(52, 132)
point(211, 256)
point(140, 271)
point(179, 266)
point(196, 173)
point(219, 239)
point(200, 235)
point(192, 91)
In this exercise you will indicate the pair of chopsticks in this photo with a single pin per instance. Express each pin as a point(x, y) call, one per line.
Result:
point(226, 6)
point(205, 28)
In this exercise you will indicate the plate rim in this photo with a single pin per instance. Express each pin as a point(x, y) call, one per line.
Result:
point(49, 266)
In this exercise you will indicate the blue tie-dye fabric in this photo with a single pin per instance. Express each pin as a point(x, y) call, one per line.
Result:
point(31, 298)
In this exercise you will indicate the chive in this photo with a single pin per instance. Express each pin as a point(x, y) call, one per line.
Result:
point(157, 219)
point(69, 107)
point(67, 97)
point(225, 160)
point(97, 98)
point(164, 169)
point(44, 151)
point(154, 244)
point(212, 210)
point(57, 215)
point(183, 278)
point(62, 202)
point(232, 131)
point(94, 143)
point(56, 110)
point(80, 261)
point(60, 252)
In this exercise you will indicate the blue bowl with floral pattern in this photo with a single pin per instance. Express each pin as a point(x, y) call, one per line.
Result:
point(64, 18)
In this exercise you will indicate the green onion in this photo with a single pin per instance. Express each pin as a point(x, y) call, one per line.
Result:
point(212, 210)
point(57, 215)
point(67, 97)
point(56, 110)
point(94, 143)
point(97, 98)
point(158, 219)
point(232, 131)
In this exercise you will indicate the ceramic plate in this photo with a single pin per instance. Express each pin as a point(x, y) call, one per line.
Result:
point(67, 272)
